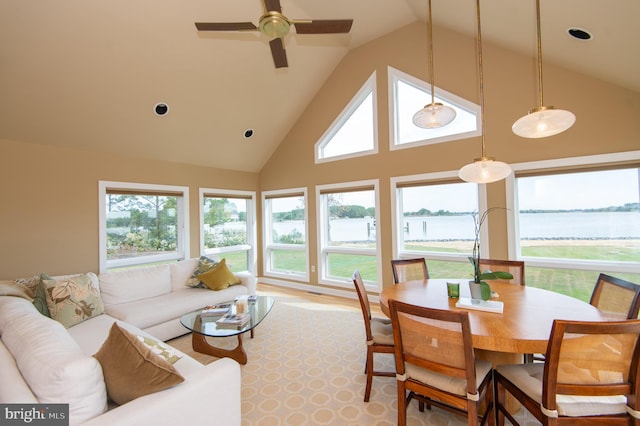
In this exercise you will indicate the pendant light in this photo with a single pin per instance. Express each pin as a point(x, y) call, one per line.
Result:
point(435, 114)
point(484, 169)
point(542, 121)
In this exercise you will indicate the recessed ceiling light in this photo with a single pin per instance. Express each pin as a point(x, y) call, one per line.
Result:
point(161, 108)
point(248, 133)
point(579, 33)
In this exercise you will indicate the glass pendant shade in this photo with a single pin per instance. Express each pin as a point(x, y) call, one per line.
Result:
point(542, 122)
point(433, 116)
point(484, 170)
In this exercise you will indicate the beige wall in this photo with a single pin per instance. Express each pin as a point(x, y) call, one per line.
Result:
point(49, 214)
point(510, 91)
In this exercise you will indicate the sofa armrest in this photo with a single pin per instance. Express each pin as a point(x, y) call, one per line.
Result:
point(248, 280)
point(211, 396)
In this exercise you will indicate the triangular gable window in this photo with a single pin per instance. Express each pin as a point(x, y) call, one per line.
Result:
point(407, 95)
point(354, 132)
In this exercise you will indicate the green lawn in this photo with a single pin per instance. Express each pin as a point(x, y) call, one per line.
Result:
point(575, 283)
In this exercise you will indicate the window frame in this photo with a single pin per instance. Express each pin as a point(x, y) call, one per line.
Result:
point(394, 75)
point(182, 241)
point(324, 250)
point(345, 115)
point(397, 235)
point(269, 245)
point(250, 247)
point(569, 165)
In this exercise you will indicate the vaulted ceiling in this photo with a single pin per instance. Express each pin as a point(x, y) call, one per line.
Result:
point(86, 74)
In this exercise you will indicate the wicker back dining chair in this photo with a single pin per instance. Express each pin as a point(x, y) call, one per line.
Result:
point(409, 269)
point(616, 296)
point(514, 267)
point(590, 376)
point(379, 334)
point(435, 363)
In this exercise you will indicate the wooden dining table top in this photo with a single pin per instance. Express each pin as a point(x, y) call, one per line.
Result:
point(524, 325)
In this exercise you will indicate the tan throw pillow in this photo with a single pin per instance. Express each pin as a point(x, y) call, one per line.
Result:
point(12, 288)
point(131, 369)
point(72, 300)
point(219, 277)
point(204, 264)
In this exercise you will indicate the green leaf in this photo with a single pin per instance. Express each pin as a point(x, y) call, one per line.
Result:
point(486, 290)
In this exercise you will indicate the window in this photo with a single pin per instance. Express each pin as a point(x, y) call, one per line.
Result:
point(285, 233)
point(227, 227)
point(142, 224)
point(354, 132)
point(572, 219)
point(347, 215)
point(407, 95)
point(433, 218)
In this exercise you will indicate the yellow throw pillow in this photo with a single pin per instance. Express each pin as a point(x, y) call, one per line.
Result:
point(219, 277)
point(131, 369)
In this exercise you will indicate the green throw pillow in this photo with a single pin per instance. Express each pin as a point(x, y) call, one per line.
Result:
point(167, 352)
point(72, 300)
point(204, 264)
point(40, 299)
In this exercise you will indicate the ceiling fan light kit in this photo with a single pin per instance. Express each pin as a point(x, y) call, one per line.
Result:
point(542, 121)
point(435, 114)
point(484, 169)
point(276, 26)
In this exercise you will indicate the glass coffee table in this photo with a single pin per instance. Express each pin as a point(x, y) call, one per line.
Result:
point(205, 326)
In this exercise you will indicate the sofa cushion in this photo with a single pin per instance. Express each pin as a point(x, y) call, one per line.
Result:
point(131, 369)
point(134, 284)
point(204, 265)
point(18, 391)
point(181, 272)
point(54, 366)
point(156, 310)
point(219, 277)
point(72, 300)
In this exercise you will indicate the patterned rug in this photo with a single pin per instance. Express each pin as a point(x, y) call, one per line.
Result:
point(306, 367)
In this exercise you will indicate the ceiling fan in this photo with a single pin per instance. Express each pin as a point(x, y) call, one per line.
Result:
point(274, 24)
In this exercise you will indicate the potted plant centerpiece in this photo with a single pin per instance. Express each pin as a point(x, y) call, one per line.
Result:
point(478, 286)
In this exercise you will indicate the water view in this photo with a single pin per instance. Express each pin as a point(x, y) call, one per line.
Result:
point(574, 225)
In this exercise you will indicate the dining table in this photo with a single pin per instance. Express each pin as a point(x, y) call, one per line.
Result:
point(524, 325)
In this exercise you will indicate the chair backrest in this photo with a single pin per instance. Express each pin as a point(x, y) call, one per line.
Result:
point(364, 303)
point(617, 296)
point(592, 359)
point(514, 267)
point(409, 269)
point(422, 336)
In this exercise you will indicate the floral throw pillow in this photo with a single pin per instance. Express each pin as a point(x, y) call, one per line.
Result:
point(72, 300)
point(204, 264)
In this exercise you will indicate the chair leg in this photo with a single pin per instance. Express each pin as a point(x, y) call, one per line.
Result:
point(402, 404)
point(369, 372)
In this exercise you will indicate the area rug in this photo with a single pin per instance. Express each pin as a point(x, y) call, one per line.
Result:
point(306, 367)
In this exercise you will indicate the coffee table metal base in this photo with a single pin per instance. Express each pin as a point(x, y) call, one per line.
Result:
point(200, 344)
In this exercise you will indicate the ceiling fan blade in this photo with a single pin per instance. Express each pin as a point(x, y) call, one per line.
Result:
point(225, 26)
point(278, 53)
point(322, 26)
point(273, 5)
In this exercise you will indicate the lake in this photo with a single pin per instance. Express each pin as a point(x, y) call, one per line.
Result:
point(574, 225)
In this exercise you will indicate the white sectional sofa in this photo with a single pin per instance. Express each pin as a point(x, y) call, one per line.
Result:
point(43, 362)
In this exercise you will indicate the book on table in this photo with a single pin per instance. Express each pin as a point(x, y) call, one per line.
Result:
point(216, 310)
point(230, 320)
point(480, 305)
point(248, 297)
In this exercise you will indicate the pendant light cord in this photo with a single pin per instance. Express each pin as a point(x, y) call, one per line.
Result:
point(539, 52)
point(430, 43)
point(481, 78)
